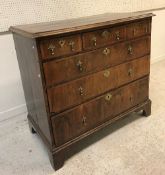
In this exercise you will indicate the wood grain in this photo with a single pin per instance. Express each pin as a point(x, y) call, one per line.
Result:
point(69, 68)
point(68, 95)
point(60, 50)
point(73, 25)
point(71, 124)
point(73, 92)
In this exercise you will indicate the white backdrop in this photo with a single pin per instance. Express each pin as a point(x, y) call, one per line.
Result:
point(14, 12)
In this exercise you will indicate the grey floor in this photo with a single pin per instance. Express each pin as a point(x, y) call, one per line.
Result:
point(133, 146)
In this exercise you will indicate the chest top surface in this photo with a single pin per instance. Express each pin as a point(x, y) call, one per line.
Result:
point(77, 24)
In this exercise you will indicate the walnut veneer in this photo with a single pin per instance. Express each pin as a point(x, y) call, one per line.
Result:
point(83, 74)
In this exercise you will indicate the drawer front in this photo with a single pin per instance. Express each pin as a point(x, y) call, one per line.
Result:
point(62, 70)
point(100, 38)
point(55, 47)
point(75, 92)
point(71, 124)
point(139, 29)
point(138, 47)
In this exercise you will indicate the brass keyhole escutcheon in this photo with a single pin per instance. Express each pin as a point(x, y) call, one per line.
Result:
point(105, 34)
point(106, 51)
point(62, 43)
point(51, 48)
point(106, 73)
point(108, 97)
point(94, 40)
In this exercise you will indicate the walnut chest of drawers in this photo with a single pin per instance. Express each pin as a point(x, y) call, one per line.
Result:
point(83, 74)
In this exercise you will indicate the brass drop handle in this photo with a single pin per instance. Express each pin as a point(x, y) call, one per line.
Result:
point(80, 66)
point(130, 50)
point(71, 44)
point(51, 48)
point(117, 35)
point(108, 97)
point(134, 31)
point(84, 120)
point(130, 72)
point(81, 91)
point(105, 34)
point(146, 29)
point(106, 73)
point(94, 40)
point(131, 99)
point(106, 51)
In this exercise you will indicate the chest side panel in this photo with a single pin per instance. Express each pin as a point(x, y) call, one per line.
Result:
point(32, 84)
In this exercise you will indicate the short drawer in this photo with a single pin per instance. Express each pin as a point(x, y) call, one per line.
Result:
point(75, 92)
point(60, 46)
point(89, 115)
point(138, 29)
point(63, 70)
point(139, 47)
point(100, 38)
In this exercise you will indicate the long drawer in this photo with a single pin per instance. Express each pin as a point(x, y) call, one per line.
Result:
point(75, 122)
point(75, 92)
point(63, 70)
